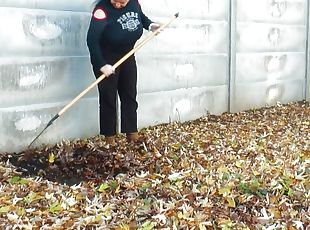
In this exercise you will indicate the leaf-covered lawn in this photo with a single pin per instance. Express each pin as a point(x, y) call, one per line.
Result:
point(248, 170)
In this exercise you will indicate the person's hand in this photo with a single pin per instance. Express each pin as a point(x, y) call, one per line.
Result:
point(154, 26)
point(107, 70)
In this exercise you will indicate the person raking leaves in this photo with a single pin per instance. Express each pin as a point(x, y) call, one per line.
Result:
point(115, 27)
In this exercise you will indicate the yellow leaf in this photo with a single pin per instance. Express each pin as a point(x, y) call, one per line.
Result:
point(273, 199)
point(98, 218)
point(224, 191)
point(256, 173)
point(242, 199)
point(51, 158)
point(55, 208)
point(123, 227)
point(231, 202)
point(226, 224)
point(159, 175)
point(238, 164)
point(223, 169)
point(20, 211)
point(5, 209)
point(32, 197)
point(307, 185)
point(275, 212)
point(209, 180)
point(202, 227)
point(103, 187)
point(294, 213)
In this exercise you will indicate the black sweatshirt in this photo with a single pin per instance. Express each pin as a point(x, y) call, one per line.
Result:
point(114, 30)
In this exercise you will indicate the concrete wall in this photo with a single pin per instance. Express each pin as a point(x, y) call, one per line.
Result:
point(44, 64)
point(269, 52)
point(184, 73)
point(218, 56)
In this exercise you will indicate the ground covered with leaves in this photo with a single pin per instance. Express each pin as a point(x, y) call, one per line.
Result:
point(248, 170)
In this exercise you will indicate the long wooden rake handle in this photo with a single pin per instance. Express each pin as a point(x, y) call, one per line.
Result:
point(118, 63)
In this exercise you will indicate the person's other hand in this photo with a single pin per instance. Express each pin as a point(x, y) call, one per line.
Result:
point(107, 70)
point(154, 26)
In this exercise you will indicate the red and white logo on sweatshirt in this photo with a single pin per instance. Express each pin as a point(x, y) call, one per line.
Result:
point(99, 14)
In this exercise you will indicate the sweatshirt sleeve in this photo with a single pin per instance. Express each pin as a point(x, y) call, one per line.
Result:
point(96, 28)
point(146, 22)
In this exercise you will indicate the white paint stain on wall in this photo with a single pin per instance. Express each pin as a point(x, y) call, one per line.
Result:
point(45, 31)
point(30, 80)
point(274, 93)
point(28, 124)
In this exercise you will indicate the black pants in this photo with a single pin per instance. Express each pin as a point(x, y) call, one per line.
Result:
point(123, 82)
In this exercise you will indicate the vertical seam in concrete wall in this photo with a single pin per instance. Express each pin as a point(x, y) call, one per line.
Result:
point(232, 54)
point(307, 84)
point(229, 55)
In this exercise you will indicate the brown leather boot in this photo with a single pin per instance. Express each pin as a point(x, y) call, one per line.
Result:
point(110, 140)
point(132, 137)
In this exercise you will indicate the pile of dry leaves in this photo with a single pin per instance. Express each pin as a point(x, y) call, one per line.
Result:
point(235, 171)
